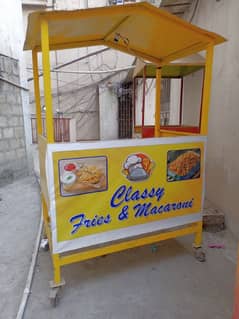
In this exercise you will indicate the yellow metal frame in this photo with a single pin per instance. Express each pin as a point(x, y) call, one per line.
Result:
point(157, 102)
point(60, 260)
point(206, 90)
point(47, 80)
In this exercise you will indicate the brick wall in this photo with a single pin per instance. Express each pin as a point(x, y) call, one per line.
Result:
point(13, 159)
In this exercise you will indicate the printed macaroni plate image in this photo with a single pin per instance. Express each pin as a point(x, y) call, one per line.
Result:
point(183, 164)
point(82, 175)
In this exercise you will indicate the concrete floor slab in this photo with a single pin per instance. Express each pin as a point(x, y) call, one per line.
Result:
point(140, 284)
point(19, 219)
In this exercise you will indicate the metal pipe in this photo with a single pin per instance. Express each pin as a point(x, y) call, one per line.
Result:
point(96, 72)
point(73, 61)
point(47, 80)
point(157, 102)
point(14, 84)
point(181, 103)
point(143, 101)
point(37, 92)
point(85, 4)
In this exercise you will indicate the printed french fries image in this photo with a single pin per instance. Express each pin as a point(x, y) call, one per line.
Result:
point(83, 175)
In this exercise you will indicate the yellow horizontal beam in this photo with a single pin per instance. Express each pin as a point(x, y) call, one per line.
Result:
point(195, 48)
point(65, 260)
point(178, 133)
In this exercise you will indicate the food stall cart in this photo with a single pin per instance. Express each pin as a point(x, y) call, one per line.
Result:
point(106, 196)
point(180, 70)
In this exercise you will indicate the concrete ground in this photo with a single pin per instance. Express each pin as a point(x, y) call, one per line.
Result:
point(19, 219)
point(141, 284)
point(136, 284)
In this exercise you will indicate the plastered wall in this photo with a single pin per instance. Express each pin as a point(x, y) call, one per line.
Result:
point(222, 172)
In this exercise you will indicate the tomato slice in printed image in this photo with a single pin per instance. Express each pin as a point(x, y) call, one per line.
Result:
point(70, 167)
point(146, 162)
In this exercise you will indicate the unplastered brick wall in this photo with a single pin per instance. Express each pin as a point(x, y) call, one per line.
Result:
point(13, 159)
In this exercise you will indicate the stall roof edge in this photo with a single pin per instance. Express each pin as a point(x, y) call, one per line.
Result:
point(175, 69)
point(102, 25)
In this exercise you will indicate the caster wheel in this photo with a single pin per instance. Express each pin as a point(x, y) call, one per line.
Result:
point(54, 297)
point(54, 292)
point(54, 301)
point(199, 254)
point(46, 247)
point(44, 244)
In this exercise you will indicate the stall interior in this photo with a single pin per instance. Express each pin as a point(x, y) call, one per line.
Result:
point(181, 97)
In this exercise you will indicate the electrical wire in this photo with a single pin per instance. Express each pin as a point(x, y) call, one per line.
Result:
point(73, 61)
point(194, 10)
point(14, 84)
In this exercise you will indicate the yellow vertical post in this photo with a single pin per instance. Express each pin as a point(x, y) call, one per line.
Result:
point(57, 268)
point(157, 103)
point(37, 92)
point(47, 80)
point(198, 236)
point(45, 211)
point(206, 90)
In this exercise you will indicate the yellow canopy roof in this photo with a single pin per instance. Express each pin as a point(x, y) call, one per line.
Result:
point(139, 29)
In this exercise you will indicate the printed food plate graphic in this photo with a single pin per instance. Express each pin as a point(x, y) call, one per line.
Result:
point(183, 164)
point(83, 175)
point(138, 167)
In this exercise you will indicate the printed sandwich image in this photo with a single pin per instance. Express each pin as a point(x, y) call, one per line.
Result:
point(138, 167)
point(82, 175)
point(183, 164)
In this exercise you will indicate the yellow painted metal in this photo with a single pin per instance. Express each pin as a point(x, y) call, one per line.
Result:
point(198, 236)
point(206, 90)
point(47, 81)
point(133, 51)
point(37, 92)
point(57, 268)
point(99, 26)
point(45, 211)
point(88, 254)
point(157, 102)
point(46, 220)
point(167, 133)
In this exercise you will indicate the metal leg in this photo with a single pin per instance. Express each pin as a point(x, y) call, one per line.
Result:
point(45, 239)
point(198, 236)
point(57, 283)
point(197, 245)
point(57, 269)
